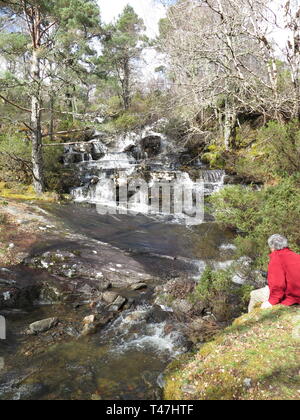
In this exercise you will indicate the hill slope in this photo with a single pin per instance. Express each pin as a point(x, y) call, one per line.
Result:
point(257, 358)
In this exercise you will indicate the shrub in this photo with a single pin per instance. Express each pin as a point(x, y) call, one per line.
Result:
point(214, 156)
point(126, 122)
point(274, 152)
point(16, 166)
point(216, 290)
point(256, 215)
point(15, 159)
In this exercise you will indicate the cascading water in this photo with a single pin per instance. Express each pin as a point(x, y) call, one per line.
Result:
point(148, 158)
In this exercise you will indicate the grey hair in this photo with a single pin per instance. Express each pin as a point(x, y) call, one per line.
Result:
point(278, 242)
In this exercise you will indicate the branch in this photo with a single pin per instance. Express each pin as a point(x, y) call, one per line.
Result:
point(68, 144)
point(60, 133)
point(13, 104)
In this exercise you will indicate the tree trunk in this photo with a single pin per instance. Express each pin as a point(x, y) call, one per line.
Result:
point(51, 126)
point(37, 153)
point(126, 84)
point(229, 127)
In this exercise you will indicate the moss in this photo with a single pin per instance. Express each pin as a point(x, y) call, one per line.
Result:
point(26, 193)
point(257, 358)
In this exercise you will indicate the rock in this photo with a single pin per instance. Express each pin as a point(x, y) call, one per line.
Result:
point(109, 297)
point(71, 331)
point(88, 329)
point(138, 286)
point(248, 383)
point(182, 305)
point(135, 317)
point(189, 389)
point(117, 304)
point(89, 319)
point(43, 325)
point(86, 290)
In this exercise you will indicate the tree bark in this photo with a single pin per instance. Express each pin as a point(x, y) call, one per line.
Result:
point(126, 85)
point(229, 127)
point(36, 125)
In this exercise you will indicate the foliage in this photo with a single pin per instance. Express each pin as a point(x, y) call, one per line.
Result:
point(256, 215)
point(122, 47)
point(126, 122)
point(214, 156)
point(217, 291)
point(274, 152)
point(15, 164)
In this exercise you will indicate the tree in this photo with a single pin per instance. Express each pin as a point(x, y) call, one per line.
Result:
point(50, 26)
point(225, 61)
point(124, 43)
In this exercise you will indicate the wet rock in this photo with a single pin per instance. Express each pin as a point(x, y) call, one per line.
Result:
point(161, 381)
point(17, 297)
point(243, 273)
point(29, 392)
point(138, 286)
point(117, 304)
point(88, 329)
point(151, 145)
point(99, 322)
point(86, 290)
point(129, 303)
point(71, 331)
point(43, 325)
point(135, 317)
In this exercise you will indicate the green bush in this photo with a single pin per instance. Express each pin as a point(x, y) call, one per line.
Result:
point(126, 122)
point(214, 156)
point(274, 152)
point(256, 215)
point(15, 159)
point(216, 290)
point(16, 167)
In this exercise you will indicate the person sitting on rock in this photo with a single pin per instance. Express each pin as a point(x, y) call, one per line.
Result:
point(283, 277)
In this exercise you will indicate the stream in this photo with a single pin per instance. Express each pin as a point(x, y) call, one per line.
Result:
point(125, 358)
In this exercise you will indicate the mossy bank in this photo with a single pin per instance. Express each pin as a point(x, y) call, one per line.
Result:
point(257, 358)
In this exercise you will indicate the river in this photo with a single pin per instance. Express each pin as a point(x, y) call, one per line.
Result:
point(125, 359)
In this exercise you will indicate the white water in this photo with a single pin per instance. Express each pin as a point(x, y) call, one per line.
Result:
point(132, 331)
point(106, 164)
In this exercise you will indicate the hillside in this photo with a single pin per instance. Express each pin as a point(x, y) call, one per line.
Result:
point(257, 358)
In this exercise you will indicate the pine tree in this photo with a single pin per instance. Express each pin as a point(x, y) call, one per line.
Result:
point(123, 46)
point(57, 34)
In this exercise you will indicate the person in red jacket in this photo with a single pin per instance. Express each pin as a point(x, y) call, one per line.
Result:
point(283, 277)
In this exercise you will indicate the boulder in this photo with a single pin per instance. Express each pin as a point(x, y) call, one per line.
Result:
point(117, 304)
point(43, 325)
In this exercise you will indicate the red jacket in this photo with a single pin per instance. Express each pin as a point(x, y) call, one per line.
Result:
point(284, 277)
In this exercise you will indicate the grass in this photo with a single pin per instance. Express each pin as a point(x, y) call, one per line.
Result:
point(257, 358)
point(26, 193)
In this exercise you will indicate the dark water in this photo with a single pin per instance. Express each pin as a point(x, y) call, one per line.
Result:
point(124, 360)
point(145, 234)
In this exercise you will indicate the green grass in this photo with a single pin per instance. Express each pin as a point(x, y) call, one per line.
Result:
point(263, 347)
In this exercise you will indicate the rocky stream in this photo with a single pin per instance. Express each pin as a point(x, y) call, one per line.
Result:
point(85, 317)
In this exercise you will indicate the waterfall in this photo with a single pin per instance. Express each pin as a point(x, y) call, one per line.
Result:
point(137, 161)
